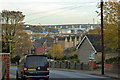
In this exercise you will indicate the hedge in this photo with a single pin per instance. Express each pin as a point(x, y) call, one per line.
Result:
point(115, 60)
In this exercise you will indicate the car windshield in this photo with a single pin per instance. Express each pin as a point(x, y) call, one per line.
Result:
point(35, 61)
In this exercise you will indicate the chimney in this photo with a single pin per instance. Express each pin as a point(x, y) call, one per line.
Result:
point(55, 27)
point(61, 27)
point(66, 43)
point(66, 27)
point(75, 41)
point(80, 26)
point(65, 39)
point(73, 26)
point(70, 41)
point(91, 27)
point(87, 29)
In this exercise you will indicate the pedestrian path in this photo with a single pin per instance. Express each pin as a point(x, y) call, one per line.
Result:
point(98, 73)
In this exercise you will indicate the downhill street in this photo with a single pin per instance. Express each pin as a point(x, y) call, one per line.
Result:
point(64, 75)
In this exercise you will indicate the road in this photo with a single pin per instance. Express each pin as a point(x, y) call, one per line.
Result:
point(64, 75)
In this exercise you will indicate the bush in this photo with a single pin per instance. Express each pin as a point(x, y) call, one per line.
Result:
point(115, 60)
point(99, 62)
point(64, 58)
point(75, 60)
point(75, 56)
point(15, 59)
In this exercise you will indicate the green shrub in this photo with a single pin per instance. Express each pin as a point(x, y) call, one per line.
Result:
point(64, 58)
point(115, 60)
point(99, 62)
point(75, 56)
point(74, 60)
point(15, 59)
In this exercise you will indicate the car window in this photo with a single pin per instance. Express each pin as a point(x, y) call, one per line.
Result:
point(35, 61)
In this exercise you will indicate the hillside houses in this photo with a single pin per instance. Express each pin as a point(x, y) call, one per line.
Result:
point(41, 45)
point(68, 41)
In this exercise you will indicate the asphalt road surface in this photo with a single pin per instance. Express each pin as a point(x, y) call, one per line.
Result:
point(64, 75)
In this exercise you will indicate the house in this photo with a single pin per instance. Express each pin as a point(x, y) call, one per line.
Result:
point(89, 48)
point(41, 45)
point(68, 41)
point(63, 31)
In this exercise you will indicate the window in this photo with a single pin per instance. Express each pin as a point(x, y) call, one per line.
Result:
point(91, 55)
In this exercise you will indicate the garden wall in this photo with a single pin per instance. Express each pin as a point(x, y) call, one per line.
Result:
point(112, 68)
point(5, 66)
point(70, 65)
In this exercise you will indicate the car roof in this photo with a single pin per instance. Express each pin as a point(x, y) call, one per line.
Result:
point(36, 55)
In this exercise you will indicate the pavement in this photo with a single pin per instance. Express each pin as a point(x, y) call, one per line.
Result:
point(0, 70)
point(13, 73)
point(95, 72)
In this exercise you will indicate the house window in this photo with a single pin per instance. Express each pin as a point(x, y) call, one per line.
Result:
point(91, 55)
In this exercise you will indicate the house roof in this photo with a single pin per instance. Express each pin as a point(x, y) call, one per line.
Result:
point(68, 38)
point(39, 42)
point(94, 40)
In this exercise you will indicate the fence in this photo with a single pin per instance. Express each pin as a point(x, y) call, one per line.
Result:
point(69, 65)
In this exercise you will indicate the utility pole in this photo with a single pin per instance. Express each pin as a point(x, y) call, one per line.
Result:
point(0, 33)
point(102, 40)
point(54, 52)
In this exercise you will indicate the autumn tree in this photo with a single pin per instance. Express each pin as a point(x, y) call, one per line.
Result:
point(74, 53)
point(11, 28)
point(110, 12)
point(56, 51)
point(95, 31)
point(23, 44)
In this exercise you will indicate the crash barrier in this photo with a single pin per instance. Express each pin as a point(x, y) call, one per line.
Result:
point(70, 65)
point(5, 66)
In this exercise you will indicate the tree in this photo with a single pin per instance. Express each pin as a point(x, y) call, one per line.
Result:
point(74, 53)
point(95, 31)
point(36, 29)
point(110, 11)
point(12, 28)
point(56, 51)
point(23, 44)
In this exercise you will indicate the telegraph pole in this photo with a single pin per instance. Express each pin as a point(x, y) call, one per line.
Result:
point(102, 40)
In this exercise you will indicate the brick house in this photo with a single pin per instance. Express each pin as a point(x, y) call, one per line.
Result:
point(41, 45)
point(89, 48)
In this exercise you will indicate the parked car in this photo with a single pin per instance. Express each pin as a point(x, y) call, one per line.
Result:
point(33, 66)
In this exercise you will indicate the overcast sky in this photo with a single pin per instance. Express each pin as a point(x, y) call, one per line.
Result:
point(54, 11)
